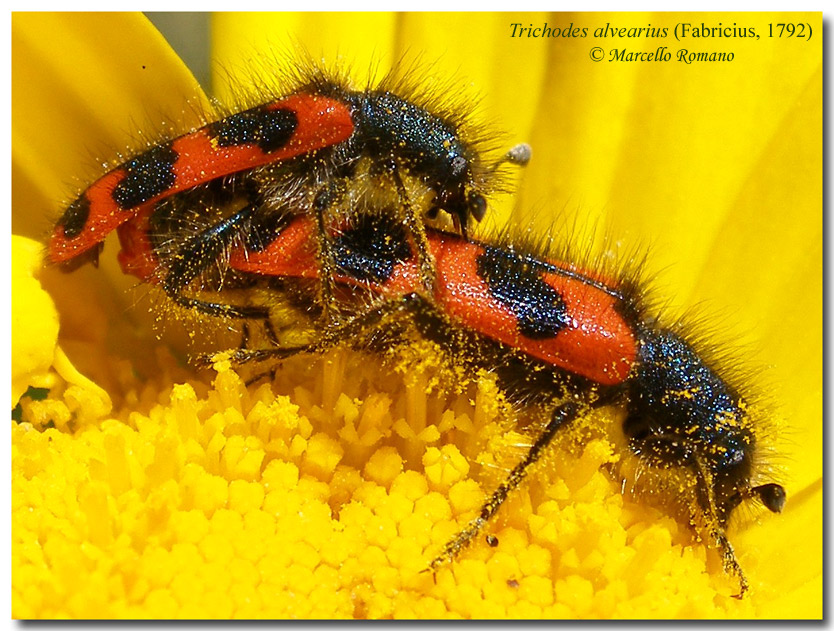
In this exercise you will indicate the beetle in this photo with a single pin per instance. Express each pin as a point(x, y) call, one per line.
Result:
point(319, 147)
point(560, 340)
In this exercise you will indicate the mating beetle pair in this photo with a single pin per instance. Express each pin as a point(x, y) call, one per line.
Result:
point(251, 195)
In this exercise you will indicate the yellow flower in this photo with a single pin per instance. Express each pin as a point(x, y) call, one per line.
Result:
point(142, 489)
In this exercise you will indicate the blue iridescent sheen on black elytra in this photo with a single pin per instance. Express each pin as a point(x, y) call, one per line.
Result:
point(148, 175)
point(371, 249)
point(75, 217)
point(517, 283)
point(268, 128)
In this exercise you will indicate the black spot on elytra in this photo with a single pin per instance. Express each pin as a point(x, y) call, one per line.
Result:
point(269, 130)
point(75, 217)
point(147, 175)
point(517, 284)
point(371, 248)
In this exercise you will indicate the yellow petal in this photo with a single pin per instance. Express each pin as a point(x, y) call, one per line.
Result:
point(34, 319)
point(75, 109)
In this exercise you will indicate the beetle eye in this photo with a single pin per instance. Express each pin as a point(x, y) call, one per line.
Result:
point(772, 496)
point(477, 206)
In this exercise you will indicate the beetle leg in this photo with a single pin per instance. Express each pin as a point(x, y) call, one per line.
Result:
point(562, 414)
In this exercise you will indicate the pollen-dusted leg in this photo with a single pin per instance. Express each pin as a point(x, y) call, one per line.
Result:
point(222, 310)
point(417, 233)
point(191, 257)
point(186, 255)
point(672, 449)
point(244, 342)
point(328, 197)
point(355, 329)
point(562, 414)
point(715, 527)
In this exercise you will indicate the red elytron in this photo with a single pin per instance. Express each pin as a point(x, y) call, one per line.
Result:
point(594, 340)
point(277, 131)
